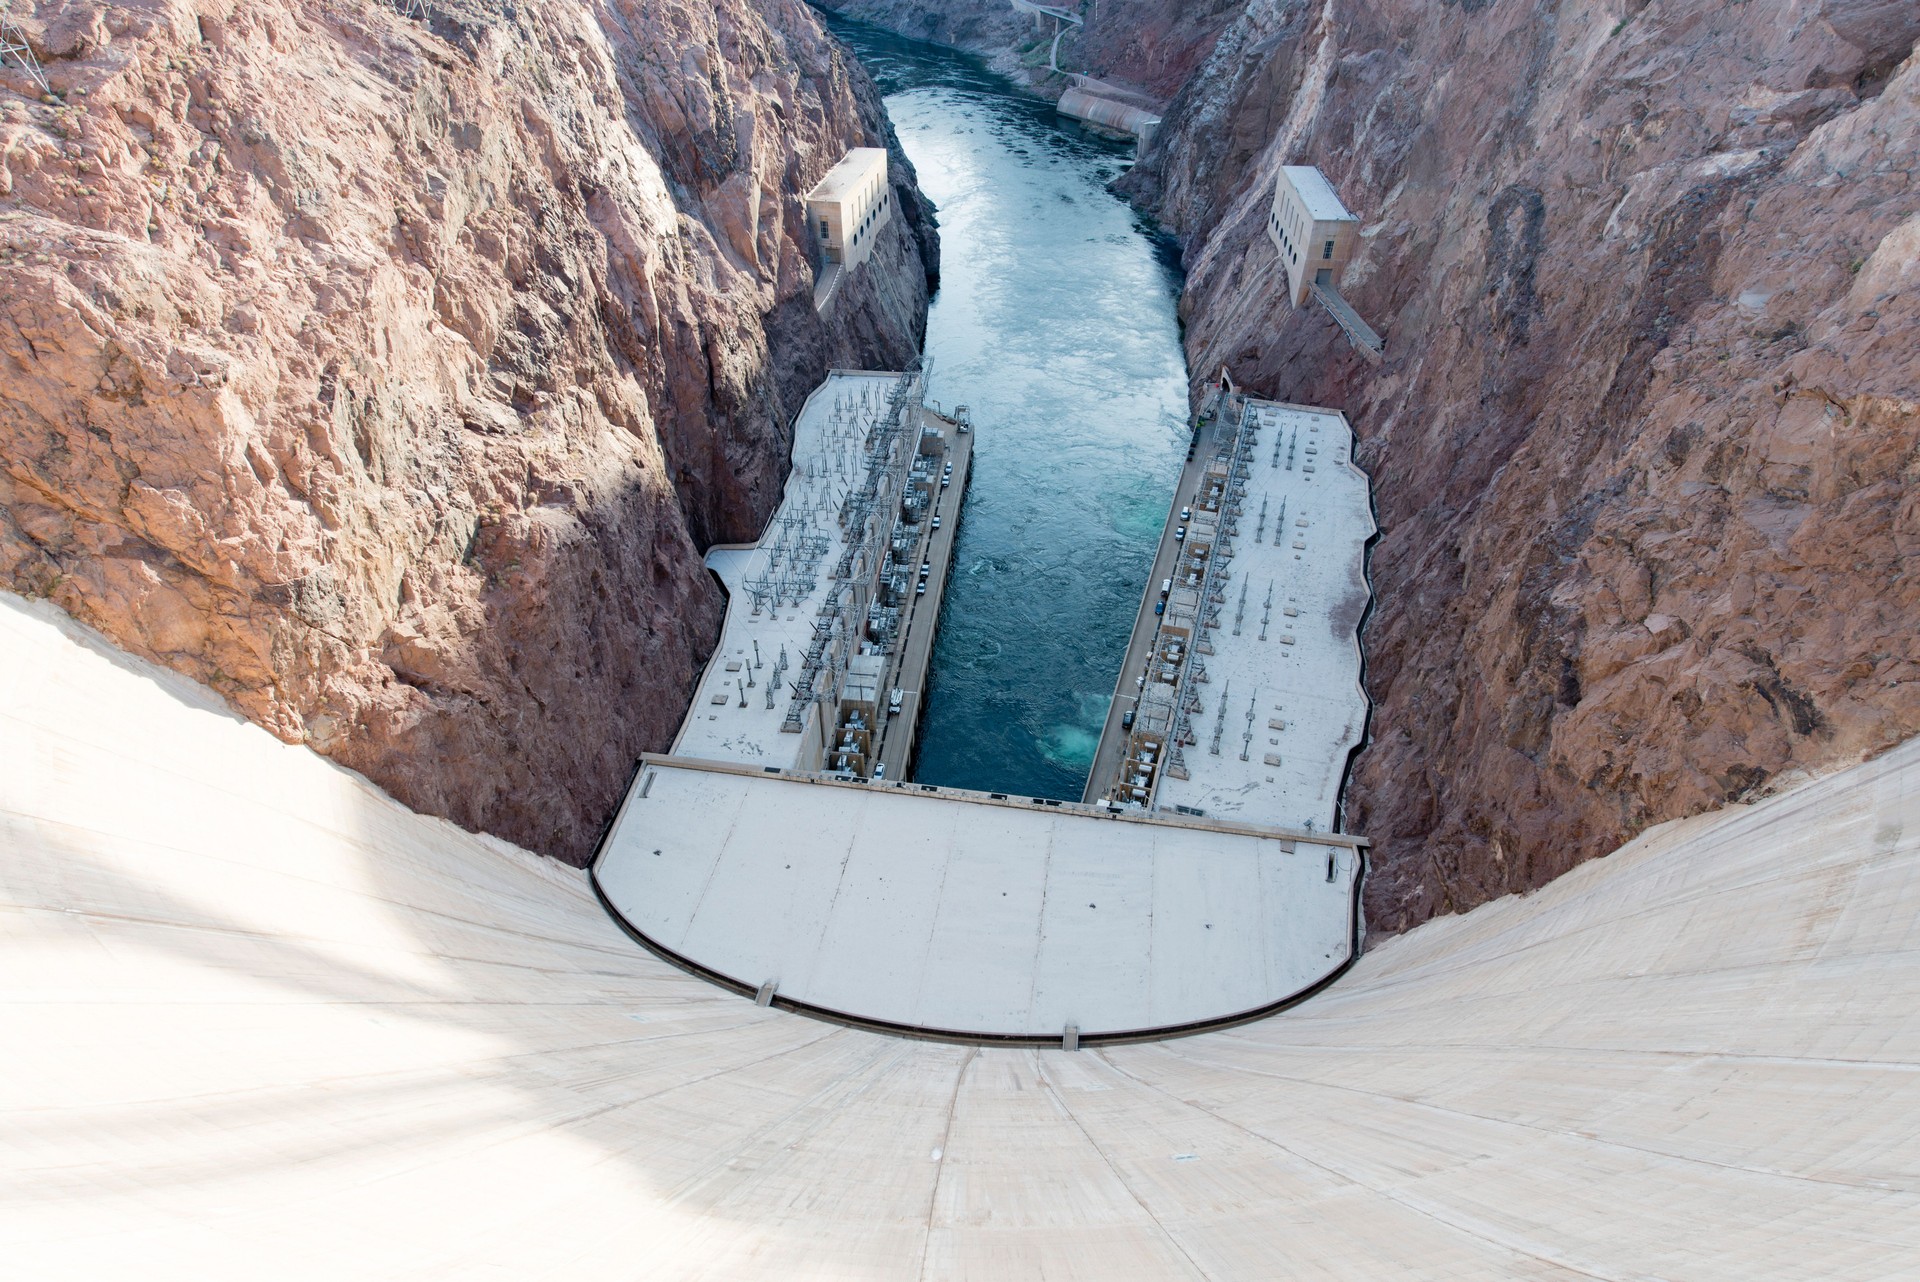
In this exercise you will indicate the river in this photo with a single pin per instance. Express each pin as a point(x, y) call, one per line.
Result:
point(1055, 324)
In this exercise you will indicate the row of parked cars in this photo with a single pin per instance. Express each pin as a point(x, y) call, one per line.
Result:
point(926, 567)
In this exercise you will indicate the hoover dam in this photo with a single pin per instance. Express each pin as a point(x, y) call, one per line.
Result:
point(257, 1011)
point(610, 667)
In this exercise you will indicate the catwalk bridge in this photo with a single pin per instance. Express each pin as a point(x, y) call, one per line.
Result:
point(1055, 12)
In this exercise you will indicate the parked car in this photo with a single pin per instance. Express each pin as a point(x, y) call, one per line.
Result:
point(1186, 514)
point(1126, 721)
point(1159, 607)
point(880, 771)
point(936, 522)
point(1179, 535)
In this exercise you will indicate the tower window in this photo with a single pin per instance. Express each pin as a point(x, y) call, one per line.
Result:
point(1328, 251)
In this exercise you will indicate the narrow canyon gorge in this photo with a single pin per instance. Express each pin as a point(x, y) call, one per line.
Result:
point(1647, 431)
point(387, 369)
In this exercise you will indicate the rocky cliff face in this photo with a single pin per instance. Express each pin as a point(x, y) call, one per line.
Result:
point(1647, 434)
point(386, 373)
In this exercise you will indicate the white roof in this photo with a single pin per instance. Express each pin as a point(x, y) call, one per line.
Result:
point(256, 1010)
point(829, 439)
point(854, 168)
point(1317, 194)
point(1300, 669)
point(939, 910)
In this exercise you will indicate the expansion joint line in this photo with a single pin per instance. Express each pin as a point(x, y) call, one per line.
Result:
point(940, 1158)
point(1113, 1167)
point(1352, 1181)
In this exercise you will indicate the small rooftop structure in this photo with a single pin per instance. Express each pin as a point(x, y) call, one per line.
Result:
point(846, 211)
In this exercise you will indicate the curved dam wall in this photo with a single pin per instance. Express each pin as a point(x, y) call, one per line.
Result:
point(1109, 114)
point(255, 1010)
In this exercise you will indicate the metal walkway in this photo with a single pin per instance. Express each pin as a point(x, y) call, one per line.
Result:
point(1358, 332)
point(1049, 11)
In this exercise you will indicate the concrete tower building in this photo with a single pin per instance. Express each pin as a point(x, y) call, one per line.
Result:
point(1314, 232)
point(850, 205)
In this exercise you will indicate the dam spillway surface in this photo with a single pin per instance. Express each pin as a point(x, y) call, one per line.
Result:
point(256, 1011)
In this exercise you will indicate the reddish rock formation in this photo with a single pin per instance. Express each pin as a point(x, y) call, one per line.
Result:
point(386, 375)
point(1646, 437)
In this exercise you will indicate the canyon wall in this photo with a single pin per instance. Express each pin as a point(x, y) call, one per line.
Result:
point(1647, 433)
point(1648, 426)
point(385, 371)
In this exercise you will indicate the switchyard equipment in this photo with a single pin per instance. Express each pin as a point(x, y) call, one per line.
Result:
point(15, 49)
point(1263, 460)
point(831, 584)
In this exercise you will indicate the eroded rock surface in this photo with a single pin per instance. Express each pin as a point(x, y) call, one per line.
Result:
point(387, 374)
point(1647, 434)
point(1645, 438)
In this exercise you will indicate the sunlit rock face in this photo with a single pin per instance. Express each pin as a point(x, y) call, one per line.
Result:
point(1645, 437)
point(385, 374)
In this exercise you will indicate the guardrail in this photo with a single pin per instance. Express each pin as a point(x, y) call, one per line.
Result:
point(1049, 11)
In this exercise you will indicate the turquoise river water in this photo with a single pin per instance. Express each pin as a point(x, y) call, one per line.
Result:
point(1055, 325)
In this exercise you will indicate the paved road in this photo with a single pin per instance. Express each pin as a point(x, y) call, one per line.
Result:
point(1126, 694)
point(915, 651)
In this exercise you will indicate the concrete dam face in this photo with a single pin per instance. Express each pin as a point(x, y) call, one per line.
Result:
point(257, 1017)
